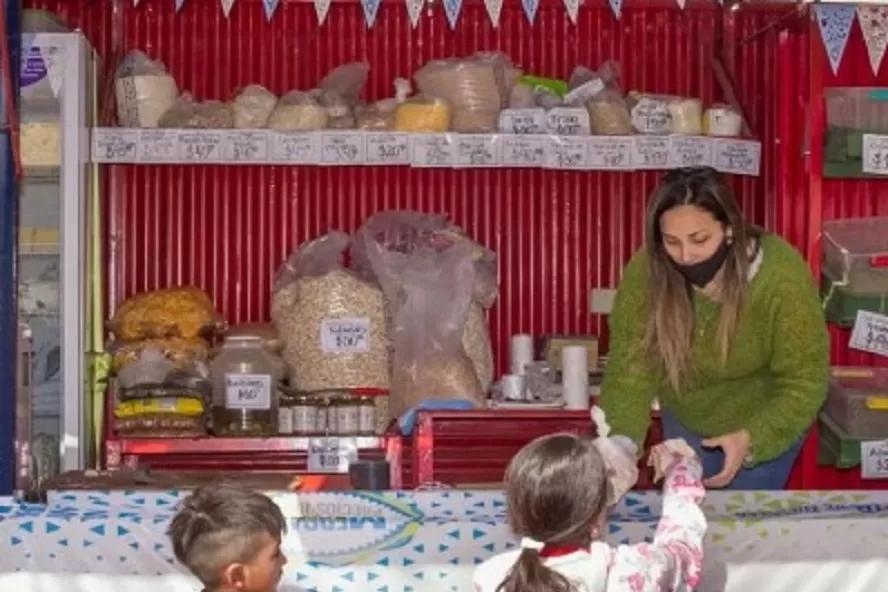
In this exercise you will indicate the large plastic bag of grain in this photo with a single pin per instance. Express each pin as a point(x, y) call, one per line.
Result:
point(253, 106)
point(187, 113)
point(144, 91)
point(331, 322)
point(437, 284)
point(298, 111)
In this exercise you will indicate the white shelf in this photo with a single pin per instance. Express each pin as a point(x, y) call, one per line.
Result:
point(358, 148)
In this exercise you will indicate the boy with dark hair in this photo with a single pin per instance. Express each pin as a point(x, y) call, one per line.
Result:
point(230, 539)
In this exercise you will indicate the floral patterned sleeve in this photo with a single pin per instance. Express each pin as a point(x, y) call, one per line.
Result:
point(673, 560)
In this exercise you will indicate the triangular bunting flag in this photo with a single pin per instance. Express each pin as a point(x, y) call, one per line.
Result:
point(270, 7)
point(573, 10)
point(530, 9)
point(322, 7)
point(681, 4)
point(616, 8)
point(227, 5)
point(136, 3)
point(874, 24)
point(452, 8)
point(414, 11)
point(179, 5)
point(494, 10)
point(835, 26)
point(371, 9)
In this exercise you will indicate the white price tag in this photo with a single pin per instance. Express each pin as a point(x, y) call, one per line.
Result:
point(295, 148)
point(874, 460)
point(200, 146)
point(245, 147)
point(343, 148)
point(388, 148)
point(650, 152)
point(610, 153)
point(331, 455)
point(870, 333)
point(345, 336)
point(478, 151)
point(524, 151)
point(567, 153)
point(651, 116)
point(740, 157)
point(875, 154)
point(248, 391)
point(114, 145)
point(431, 150)
point(156, 146)
point(568, 121)
point(523, 121)
point(689, 151)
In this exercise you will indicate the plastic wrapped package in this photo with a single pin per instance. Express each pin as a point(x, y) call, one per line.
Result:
point(184, 353)
point(609, 114)
point(420, 115)
point(476, 342)
point(723, 121)
point(253, 106)
point(151, 367)
point(345, 122)
point(661, 114)
point(471, 87)
point(175, 312)
point(507, 74)
point(619, 454)
point(144, 91)
point(337, 105)
point(41, 143)
point(298, 111)
point(162, 425)
point(371, 118)
point(189, 114)
point(184, 406)
point(686, 116)
point(332, 323)
point(522, 97)
point(347, 80)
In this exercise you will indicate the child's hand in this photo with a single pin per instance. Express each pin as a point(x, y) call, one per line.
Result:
point(666, 454)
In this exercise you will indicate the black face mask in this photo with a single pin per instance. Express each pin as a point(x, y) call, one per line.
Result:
point(703, 272)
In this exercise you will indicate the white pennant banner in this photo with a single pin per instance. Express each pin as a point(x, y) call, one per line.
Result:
point(452, 8)
point(414, 11)
point(874, 24)
point(179, 5)
point(835, 26)
point(494, 10)
point(136, 3)
point(681, 4)
point(270, 7)
point(371, 9)
point(616, 8)
point(322, 7)
point(227, 5)
point(573, 9)
point(531, 7)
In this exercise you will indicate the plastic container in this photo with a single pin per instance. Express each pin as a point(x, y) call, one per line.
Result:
point(862, 109)
point(841, 305)
point(835, 448)
point(858, 402)
point(245, 376)
point(856, 254)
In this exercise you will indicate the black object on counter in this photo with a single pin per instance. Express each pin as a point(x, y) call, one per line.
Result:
point(370, 475)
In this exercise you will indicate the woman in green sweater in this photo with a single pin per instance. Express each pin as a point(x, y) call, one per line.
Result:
point(722, 323)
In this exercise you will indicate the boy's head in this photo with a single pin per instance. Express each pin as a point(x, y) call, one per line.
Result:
point(230, 539)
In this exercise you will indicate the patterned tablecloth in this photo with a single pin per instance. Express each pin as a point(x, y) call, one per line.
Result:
point(429, 541)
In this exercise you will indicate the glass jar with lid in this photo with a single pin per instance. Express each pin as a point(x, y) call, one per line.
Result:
point(245, 377)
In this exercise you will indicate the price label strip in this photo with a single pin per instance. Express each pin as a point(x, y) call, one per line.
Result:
point(523, 151)
point(610, 153)
point(158, 146)
point(346, 336)
point(523, 121)
point(478, 151)
point(738, 157)
point(386, 149)
point(331, 455)
point(875, 154)
point(689, 151)
point(245, 147)
point(295, 148)
point(874, 460)
point(567, 153)
point(203, 146)
point(432, 151)
point(870, 333)
point(650, 152)
point(110, 145)
point(568, 121)
point(343, 148)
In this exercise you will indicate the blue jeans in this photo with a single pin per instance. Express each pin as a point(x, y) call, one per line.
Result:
point(770, 475)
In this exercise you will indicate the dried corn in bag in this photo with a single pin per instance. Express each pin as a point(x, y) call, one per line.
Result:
point(176, 312)
point(619, 454)
point(184, 406)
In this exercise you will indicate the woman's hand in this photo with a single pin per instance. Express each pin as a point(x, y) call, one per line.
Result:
point(736, 448)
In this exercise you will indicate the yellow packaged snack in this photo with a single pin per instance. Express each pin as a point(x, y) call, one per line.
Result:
point(184, 406)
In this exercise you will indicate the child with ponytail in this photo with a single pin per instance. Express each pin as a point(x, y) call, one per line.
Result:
point(557, 492)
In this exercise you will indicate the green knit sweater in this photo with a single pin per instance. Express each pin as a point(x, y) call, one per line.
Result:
point(773, 382)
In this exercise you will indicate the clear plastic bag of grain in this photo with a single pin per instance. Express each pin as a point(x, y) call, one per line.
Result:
point(332, 323)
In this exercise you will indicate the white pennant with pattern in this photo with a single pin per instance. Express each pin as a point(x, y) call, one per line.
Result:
point(270, 7)
point(227, 5)
point(371, 9)
point(573, 9)
point(179, 5)
point(136, 3)
point(494, 10)
point(322, 7)
point(874, 24)
point(414, 11)
point(616, 8)
point(835, 22)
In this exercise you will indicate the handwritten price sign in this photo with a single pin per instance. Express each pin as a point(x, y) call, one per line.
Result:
point(650, 152)
point(295, 148)
point(523, 151)
point(870, 333)
point(202, 146)
point(478, 151)
point(874, 459)
point(114, 145)
point(345, 336)
point(567, 153)
point(343, 148)
point(568, 121)
point(523, 121)
point(739, 157)
point(432, 150)
point(245, 147)
point(610, 153)
point(689, 151)
point(158, 146)
point(388, 149)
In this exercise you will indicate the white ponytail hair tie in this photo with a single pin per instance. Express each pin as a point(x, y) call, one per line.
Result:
point(529, 543)
point(600, 422)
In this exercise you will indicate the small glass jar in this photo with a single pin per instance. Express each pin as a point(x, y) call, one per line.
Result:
point(366, 416)
point(346, 414)
point(286, 402)
point(306, 414)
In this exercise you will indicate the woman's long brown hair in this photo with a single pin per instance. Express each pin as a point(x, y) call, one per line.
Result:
point(670, 326)
point(557, 490)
